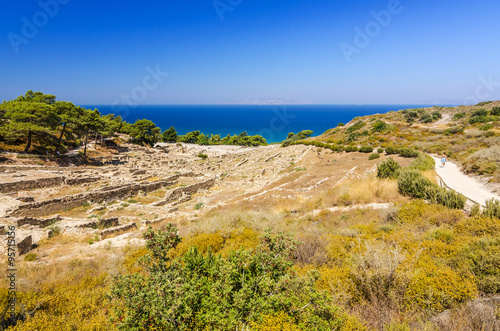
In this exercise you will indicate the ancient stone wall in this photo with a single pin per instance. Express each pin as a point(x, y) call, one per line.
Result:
point(122, 228)
point(43, 222)
point(81, 180)
point(47, 207)
point(181, 192)
point(30, 184)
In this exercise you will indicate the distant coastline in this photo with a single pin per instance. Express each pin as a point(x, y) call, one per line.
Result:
point(273, 122)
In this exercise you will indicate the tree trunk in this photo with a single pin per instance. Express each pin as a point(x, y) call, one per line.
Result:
point(60, 137)
point(95, 143)
point(28, 144)
point(85, 148)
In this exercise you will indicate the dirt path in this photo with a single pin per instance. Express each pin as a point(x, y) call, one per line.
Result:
point(459, 182)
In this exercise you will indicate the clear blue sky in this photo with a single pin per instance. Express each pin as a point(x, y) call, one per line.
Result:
point(94, 52)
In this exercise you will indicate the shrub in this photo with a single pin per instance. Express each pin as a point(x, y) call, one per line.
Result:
point(391, 150)
point(437, 288)
point(426, 118)
point(492, 209)
point(202, 156)
point(379, 126)
point(408, 152)
point(453, 130)
point(482, 119)
point(388, 169)
point(436, 115)
point(349, 149)
point(210, 292)
point(450, 199)
point(412, 183)
point(495, 111)
point(30, 257)
point(380, 150)
point(423, 162)
point(480, 112)
point(366, 149)
point(356, 126)
point(458, 116)
point(54, 231)
point(486, 127)
point(375, 273)
point(479, 226)
point(374, 156)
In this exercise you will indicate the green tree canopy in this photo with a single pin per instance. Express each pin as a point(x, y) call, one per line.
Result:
point(145, 131)
point(169, 136)
point(28, 116)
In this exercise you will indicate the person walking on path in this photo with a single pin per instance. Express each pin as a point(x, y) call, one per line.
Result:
point(444, 159)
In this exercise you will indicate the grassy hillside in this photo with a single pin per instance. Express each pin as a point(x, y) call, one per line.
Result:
point(469, 135)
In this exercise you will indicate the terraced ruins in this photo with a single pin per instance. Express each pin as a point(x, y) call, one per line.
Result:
point(169, 183)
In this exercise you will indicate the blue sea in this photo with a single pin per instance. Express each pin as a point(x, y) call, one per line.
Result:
point(273, 122)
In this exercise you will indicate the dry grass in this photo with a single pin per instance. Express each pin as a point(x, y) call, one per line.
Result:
point(362, 191)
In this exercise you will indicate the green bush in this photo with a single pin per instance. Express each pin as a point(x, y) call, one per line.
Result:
point(480, 112)
point(412, 183)
point(374, 156)
point(30, 257)
point(391, 150)
point(202, 156)
point(356, 126)
point(486, 127)
point(492, 209)
point(453, 130)
point(436, 115)
point(423, 162)
point(349, 149)
point(426, 118)
point(210, 292)
point(458, 116)
point(379, 126)
point(380, 150)
point(366, 149)
point(450, 199)
point(408, 152)
point(388, 169)
point(495, 111)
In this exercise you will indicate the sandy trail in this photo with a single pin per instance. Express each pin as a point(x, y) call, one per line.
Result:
point(460, 182)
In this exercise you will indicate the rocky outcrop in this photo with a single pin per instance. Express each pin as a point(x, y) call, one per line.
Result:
point(25, 245)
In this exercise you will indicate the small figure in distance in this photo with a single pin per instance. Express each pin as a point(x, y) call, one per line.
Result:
point(444, 159)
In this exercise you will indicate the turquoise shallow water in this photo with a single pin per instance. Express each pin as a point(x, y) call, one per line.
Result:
point(272, 122)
